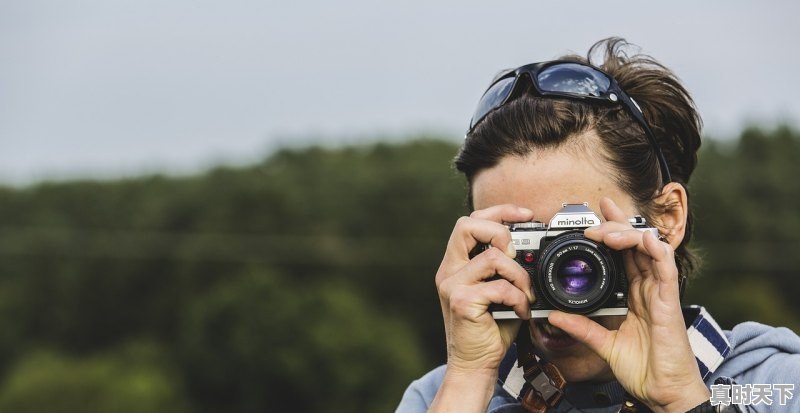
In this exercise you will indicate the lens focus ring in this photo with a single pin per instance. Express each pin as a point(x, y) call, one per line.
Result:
point(576, 273)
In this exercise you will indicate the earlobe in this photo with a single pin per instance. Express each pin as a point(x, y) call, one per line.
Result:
point(673, 211)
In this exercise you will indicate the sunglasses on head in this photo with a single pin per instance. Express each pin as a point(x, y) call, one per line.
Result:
point(570, 80)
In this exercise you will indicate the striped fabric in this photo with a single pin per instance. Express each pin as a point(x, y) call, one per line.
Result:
point(708, 342)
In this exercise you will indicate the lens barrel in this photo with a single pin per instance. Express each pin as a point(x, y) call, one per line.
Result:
point(576, 274)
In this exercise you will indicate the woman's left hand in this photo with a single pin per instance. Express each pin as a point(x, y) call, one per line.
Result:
point(650, 353)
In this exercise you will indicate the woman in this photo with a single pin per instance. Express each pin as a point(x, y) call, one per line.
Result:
point(624, 141)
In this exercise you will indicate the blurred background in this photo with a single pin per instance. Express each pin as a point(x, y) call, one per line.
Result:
point(240, 206)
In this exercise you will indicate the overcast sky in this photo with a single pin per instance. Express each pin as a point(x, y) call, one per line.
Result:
point(114, 88)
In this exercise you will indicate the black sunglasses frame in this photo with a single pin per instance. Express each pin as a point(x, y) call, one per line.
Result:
point(612, 95)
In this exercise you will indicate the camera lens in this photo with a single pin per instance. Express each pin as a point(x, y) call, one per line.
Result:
point(576, 273)
point(576, 276)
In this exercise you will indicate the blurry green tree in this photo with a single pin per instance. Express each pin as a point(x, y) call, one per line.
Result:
point(131, 379)
point(305, 282)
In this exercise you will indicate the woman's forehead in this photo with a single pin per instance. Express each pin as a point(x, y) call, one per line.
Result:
point(544, 181)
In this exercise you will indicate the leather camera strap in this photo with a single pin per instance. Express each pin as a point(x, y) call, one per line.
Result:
point(544, 384)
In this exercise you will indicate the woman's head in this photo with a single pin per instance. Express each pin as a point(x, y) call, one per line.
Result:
point(530, 124)
point(539, 152)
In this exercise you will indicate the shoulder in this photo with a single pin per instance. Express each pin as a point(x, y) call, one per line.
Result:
point(420, 394)
point(756, 347)
point(751, 335)
point(760, 355)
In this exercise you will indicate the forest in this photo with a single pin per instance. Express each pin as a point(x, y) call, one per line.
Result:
point(305, 282)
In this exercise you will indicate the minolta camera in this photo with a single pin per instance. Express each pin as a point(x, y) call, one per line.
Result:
point(568, 271)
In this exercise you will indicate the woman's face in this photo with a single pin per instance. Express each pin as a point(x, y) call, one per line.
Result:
point(542, 181)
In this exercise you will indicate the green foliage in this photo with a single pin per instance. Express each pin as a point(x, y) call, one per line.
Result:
point(746, 196)
point(132, 379)
point(305, 282)
point(302, 273)
point(258, 342)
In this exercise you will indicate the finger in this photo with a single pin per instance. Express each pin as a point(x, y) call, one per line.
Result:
point(612, 212)
point(636, 259)
point(503, 292)
point(652, 256)
point(636, 288)
point(663, 258)
point(484, 227)
point(651, 278)
point(583, 329)
point(597, 232)
point(504, 213)
point(473, 301)
point(492, 263)
point(469, 232)
point(658, 250)
point(626, 239)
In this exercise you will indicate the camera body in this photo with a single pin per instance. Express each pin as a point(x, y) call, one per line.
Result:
point(568, 271)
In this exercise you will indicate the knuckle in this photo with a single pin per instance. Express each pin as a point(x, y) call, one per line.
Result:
point(493, 256)
point(462, 222)
point(494, 260)
point(459, 301)
point(506, 288)
point(505, 235)
point(441, 274)
point(625, 227)
point(442, 287)
point(503, 288)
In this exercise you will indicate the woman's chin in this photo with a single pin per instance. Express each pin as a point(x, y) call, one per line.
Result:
point(575, 361)
point(581, 369)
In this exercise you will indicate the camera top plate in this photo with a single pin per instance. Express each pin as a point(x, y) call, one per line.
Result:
point(574, 216)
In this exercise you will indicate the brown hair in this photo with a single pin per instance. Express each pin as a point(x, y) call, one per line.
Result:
point(529, 122)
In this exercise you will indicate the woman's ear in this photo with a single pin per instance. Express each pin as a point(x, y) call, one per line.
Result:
point(673, 211)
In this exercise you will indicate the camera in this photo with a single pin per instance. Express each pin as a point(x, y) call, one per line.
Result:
point(568, 271)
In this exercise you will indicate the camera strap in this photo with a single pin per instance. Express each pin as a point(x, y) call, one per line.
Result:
point(540, 387)
point(544, 384)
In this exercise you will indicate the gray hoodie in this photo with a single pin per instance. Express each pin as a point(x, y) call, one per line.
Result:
point(751, 355)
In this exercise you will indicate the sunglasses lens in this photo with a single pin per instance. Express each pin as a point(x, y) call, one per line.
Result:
point(494, 97)
point(573, 79)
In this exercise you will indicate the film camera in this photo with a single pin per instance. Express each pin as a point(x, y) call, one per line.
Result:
point(568, 271)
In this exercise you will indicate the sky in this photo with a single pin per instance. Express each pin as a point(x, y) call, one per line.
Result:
point(104, 89)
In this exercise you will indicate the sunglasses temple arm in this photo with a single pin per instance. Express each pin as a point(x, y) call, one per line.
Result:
point(635, 111)
point(666, 177)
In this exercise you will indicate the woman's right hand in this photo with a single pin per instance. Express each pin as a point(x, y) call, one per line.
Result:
point(476, 343)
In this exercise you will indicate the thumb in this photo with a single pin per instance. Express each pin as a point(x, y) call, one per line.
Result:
point(583, 329)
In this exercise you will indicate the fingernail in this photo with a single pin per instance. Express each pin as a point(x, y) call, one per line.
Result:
point(511, 250)
point(525, 211)
point(614, 235)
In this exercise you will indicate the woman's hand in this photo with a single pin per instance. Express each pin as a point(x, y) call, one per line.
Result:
point(476, 343)
point(650, 353)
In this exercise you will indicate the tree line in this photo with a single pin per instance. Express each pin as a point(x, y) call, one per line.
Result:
point(305, 282)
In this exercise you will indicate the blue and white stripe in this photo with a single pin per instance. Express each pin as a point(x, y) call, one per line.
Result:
point(708, 342)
